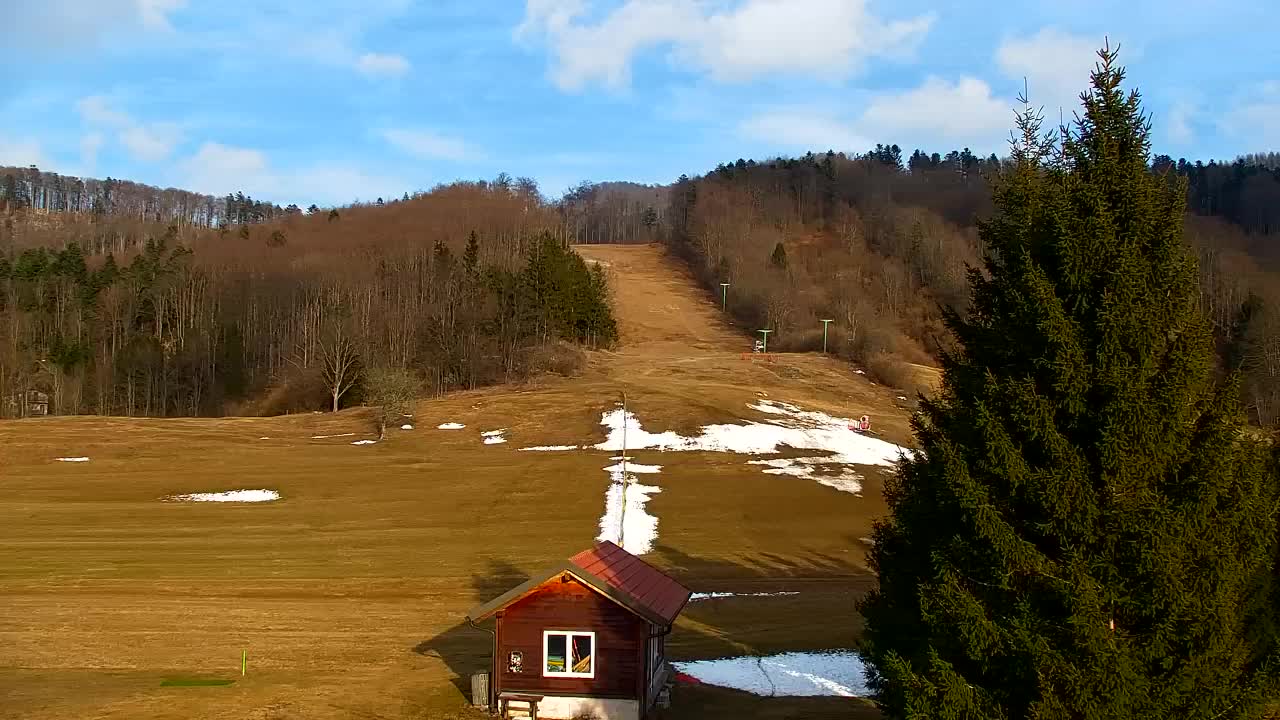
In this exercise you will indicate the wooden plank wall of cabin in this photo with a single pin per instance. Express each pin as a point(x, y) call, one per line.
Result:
point(571, 606)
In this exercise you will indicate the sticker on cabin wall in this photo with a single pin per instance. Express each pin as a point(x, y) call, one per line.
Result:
point(515, 662)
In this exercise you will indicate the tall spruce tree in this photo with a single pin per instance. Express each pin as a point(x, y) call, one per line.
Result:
point(1086, 531)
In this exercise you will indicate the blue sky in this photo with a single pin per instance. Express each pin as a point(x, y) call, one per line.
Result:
point(328, 101)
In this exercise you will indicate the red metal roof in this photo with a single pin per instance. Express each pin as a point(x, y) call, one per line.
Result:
point(648, 587)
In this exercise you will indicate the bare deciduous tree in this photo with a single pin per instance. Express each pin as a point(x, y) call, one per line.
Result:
point(340, 363)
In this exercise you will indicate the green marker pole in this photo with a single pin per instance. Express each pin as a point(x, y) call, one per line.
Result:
point(244, 661)
point(724, 297)
point(825, 324)
point(765, 333)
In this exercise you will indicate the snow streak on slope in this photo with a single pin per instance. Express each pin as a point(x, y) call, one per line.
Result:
point(635, 530)
point(788, 674)
point(789, 427)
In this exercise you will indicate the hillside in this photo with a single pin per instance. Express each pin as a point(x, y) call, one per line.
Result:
point(348, 593)
point(881, 247)
point(464, 286)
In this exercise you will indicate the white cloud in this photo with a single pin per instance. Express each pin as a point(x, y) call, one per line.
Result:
point(151, 142)
point(21, 153)
point(58, 24)
point(963, 113)
point(95, 110)
point(428, 144)
point(1056, 65)
point(1178, 120)
point(90, 144)
point(1253, 120)
point(754, 38)
point(155, 13)
point(804, 130)
point(378, 64)
point(960, 112)
point(218, 169)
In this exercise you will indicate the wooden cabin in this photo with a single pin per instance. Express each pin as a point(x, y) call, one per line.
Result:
point(586, 638)
point(31, 403)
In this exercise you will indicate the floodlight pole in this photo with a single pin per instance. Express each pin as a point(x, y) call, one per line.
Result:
point(724, 297)
point(622, 516)
point(766, 339)
point(825, 325)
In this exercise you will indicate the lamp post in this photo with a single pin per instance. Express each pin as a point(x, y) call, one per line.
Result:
point(825, 325)
point(724, 297)
point(765, 333)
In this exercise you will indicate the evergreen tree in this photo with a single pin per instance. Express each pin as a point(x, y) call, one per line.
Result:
point(471, 256)
point(779, 257)
point(1086, 532)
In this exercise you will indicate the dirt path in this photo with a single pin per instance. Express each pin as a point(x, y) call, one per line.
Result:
point(661, 312)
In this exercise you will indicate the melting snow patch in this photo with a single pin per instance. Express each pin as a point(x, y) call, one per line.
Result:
point(364, 442)
point(493, 437)
point(230, 496)
point(633, 467)
point(807, 467)
point(789, 674)
point(641, 527)
point(450, 426)
point(717, 595)
point(798, 429)
point(549, 448)
point(406, 426)
point(326, 437)
point(73, 459)
point(264, 437)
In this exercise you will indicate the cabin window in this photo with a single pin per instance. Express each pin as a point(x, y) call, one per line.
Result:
point(568, 654)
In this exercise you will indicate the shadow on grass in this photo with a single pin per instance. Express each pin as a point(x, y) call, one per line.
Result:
point(194, 682)
point(818, 613)
point(464, 649)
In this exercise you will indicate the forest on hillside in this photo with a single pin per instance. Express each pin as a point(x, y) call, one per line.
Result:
point(118, 297)
point(880, 244)
point(119, 312)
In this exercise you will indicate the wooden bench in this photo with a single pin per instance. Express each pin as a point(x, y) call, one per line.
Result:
point(530, 701)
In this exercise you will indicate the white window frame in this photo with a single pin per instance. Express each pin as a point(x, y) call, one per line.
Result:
point(568, 650)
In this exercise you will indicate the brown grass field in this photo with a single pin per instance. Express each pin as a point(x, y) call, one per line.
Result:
point(349, 593)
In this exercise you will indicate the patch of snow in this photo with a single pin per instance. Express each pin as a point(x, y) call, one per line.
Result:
point(868, 540)
point(837, 673)
point(264, 437)
point(861, 372)
point(406, 426)
point(800, 430)
point(491, 433)
point(73, 459)
point(641, 527)
point(230, 496)
point(633, 467)
point(902, 397)
point(807, 467)
point(717, 595)
point(450, 426)
point(549, 448)
point(326, 437)
point(364, 442)
point(494, 440)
